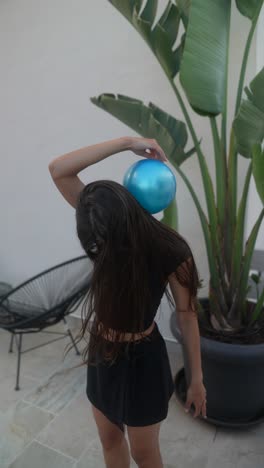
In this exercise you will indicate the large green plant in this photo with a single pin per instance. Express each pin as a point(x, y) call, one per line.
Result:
point(200, 58)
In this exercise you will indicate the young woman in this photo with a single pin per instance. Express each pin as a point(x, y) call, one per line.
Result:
point(129, 381)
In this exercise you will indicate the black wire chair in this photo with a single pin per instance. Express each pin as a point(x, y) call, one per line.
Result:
point(43, 301)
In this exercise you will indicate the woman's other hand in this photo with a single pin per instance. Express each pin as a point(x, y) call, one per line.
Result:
point(196, 395)
point(147, 148)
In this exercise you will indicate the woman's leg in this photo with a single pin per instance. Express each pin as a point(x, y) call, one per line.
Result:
point(144, 445)
point(115, 446)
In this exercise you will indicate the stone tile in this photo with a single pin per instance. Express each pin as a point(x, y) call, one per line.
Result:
point(60, 388)
point(240, 448)
point(18, 426)
point(37, 455)
point(9, 396)
point(93, 457)
point(41, 362)
point(254, 461)
point(8, 360)
point(50, 387)
point(250, 460)
point(181, 453)
point(182, 426)
point(38, 363)
point(78, 425)
point(184, 440)
point(169, 466)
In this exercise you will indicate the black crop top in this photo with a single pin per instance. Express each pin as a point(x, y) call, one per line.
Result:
point(157, 285)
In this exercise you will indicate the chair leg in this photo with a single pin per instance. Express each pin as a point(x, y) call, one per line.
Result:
point(11, 343)
point(19, 346)
point(71, 337)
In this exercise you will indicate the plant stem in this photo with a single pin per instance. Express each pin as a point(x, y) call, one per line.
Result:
point(212, 261)
point(210, 199)
point(238, 240)
point(231, 202)
point(220, 172)
point(221, 189)
point(232, 182)
point(224, 112)
point(217, 275)
point(207, 181)
point(170, 215)
point(245, 58)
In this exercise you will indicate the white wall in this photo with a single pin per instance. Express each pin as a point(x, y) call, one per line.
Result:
point(55, 55)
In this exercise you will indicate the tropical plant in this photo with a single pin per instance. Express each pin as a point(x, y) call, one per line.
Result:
point(200, 59)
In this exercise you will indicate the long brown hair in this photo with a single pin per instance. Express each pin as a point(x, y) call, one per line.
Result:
point(124, 242)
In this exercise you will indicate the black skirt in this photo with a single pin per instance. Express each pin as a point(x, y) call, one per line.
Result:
point(136, 389)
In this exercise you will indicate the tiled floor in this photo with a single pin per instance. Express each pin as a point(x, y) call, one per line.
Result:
point(48, 423)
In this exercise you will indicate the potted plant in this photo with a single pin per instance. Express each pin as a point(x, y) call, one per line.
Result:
point(232, 336)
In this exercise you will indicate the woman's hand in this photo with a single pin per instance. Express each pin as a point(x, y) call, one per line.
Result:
point(196, 394)
point(147, 148)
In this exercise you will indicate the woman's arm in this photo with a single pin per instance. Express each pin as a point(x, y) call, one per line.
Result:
point(188, 325)
point(64, 169)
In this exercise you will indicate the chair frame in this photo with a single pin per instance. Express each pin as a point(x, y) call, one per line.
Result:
point(30, 324)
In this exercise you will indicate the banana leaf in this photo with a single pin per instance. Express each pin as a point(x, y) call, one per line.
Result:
point(249, 122)
point(149, 122)
point(258, 170)
point(250, 245)
point(204, 62)
point(150, 10)
point(160, 35)
point(249, 8)
point(184, 8)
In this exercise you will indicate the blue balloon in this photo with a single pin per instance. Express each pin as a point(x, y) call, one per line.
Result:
point(152, 183)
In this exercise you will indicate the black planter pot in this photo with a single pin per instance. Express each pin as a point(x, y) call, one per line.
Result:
point(234, 379)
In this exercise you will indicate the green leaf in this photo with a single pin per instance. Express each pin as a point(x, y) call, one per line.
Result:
point(170, 216)
point(258, 311)
point(256, 92)
point(162, 36)
point(204, 62)
point(246, 265)
point(249, 8)
point(176, 128)
point(169, 22)
point(150, 122)
point(150, 10)
point(143, 27)
point(248, 128)
point(184, 8)
point(258, 169)
point(255, 278)
point(164, 53)
point(249, 122)
point(124, 6)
